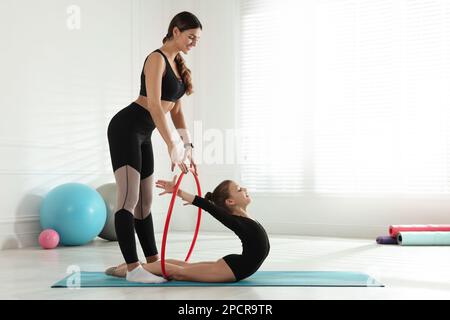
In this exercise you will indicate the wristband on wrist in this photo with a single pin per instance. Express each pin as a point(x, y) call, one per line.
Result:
point(184, 135)
point(186, 145)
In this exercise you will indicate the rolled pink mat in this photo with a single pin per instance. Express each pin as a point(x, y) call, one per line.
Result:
point(394, 230)
point(386, 240)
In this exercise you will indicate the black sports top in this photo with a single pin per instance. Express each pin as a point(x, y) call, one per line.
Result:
point(172, 88)
point(255, 242)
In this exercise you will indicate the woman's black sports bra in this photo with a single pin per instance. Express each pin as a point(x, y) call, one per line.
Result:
point(172, 88)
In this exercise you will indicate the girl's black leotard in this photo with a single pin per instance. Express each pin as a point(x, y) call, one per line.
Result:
point(255, 242)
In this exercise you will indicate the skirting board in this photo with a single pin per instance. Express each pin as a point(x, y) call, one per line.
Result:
point(24, 231)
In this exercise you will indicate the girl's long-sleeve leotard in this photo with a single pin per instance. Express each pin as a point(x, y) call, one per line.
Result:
point(255, 242)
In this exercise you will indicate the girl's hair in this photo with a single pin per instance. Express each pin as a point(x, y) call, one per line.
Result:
point(183, 21)
point(220, 194)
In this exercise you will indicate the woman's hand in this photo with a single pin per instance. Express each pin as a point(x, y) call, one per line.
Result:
point(168, 186)
point(177, 157)
point(188, 156)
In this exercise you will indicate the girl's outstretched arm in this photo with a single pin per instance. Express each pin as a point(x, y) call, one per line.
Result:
point(168, 187)
point(217, 212)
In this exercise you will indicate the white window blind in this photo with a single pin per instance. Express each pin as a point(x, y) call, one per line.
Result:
point(345, 97)
point(271, 147)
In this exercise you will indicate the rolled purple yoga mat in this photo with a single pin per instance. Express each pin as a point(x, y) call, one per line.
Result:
point(386, 240)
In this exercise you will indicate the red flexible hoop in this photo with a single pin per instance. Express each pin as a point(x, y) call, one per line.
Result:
point(166, 227)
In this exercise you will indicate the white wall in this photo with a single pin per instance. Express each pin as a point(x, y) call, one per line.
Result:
point(60, 87)
point(216, 74)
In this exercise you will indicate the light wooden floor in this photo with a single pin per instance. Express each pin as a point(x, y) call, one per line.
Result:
point(407, 272)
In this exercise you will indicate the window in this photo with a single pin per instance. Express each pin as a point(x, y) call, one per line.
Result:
point(345, 97)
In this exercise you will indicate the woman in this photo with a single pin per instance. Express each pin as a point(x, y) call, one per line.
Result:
point(228, 204)
point(164, 80)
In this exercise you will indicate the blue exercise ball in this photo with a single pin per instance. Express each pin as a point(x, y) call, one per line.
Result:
point(76, 211)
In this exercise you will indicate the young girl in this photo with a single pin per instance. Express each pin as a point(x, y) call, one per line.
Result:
point(228, 204)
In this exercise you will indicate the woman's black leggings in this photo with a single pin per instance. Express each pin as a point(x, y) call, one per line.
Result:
point(130, 146)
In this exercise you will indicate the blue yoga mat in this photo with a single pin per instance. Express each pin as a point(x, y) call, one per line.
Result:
point(259, 279)
point(424, 238)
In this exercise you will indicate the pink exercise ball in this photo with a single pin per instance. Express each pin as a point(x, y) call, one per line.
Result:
point(49, 239)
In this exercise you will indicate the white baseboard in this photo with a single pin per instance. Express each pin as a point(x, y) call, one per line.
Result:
point(16, 233)
point(327, 230)
point(23, 232)
point(319, 230)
